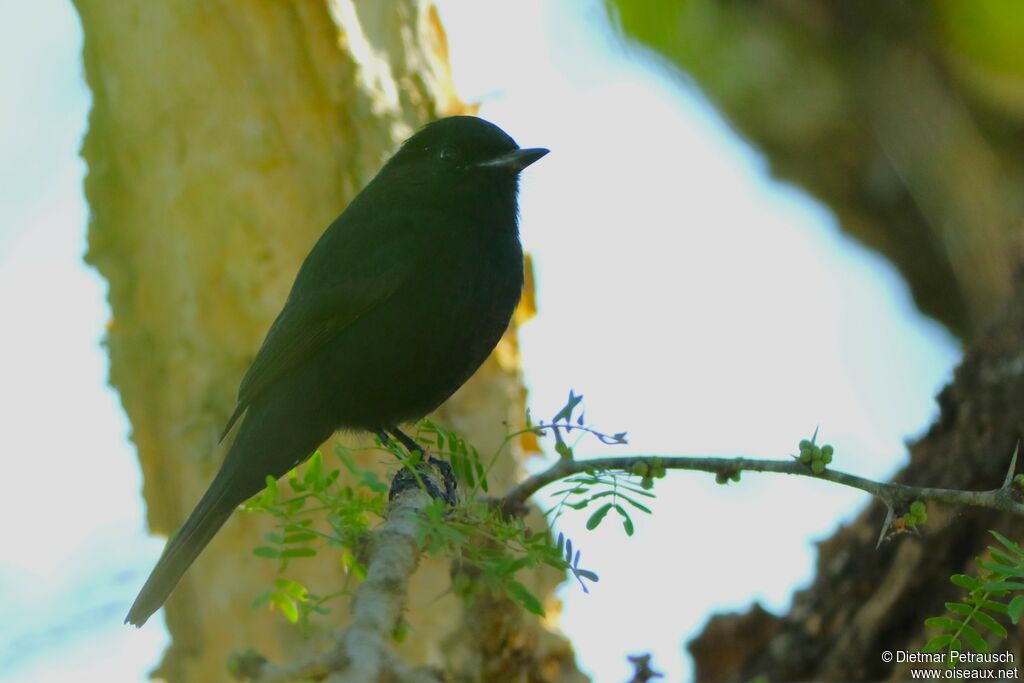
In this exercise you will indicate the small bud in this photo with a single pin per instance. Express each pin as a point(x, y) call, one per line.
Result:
point(817, 467)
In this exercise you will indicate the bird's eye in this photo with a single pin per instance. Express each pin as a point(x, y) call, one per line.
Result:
point(448, 154)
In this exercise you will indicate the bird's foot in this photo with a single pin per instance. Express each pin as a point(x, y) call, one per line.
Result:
point(425, 473)
point(434, 475)
point(407, 441)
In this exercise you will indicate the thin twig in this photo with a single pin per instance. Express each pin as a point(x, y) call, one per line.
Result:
point(893, 494)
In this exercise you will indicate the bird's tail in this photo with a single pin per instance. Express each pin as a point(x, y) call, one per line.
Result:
point(182, 549)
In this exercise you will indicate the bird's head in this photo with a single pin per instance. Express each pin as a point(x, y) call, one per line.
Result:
point(465, 149)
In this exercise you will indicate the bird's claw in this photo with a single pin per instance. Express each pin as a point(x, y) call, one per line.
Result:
point(431, 475)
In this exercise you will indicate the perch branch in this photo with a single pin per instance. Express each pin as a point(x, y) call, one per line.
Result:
point(361, 653)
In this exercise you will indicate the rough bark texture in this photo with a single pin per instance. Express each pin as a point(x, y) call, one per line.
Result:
point(224, 137)
point(865, 601)
point(905, 118)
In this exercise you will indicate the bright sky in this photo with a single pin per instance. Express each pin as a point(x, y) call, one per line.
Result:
point(695, 302)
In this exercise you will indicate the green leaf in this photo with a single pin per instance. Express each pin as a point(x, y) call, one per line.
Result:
point(991, 624)
point(576, 491)
point(627, 523)
point(998, 586)
point(293, 589)
point(1007, 570)
point(1010, 545)
point(401, 630)
point(314, 470)
point(286, 605)
point(598, 516)
point(509, 568)
point(965, 581)
point(638, 506)
point(264, 551)
point(481, 471)
point(298, 552)
point(974, 638)
point(1000, 556)
point(945, 623)
point(641, 492)
point(960, 608)
point(299, 537)
point(937, 643)
point(993, 606)
point(1015, 608)
point(525, 598)
point(269, 496)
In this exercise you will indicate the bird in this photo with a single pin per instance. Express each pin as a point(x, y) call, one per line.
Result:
point(399, 302)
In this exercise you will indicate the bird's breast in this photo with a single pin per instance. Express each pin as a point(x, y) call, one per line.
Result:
point(403, 359)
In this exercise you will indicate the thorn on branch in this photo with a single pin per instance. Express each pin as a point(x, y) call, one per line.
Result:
point(1013, 466)
point(886, 525)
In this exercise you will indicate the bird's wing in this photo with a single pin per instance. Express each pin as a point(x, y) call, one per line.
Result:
point(349, 272)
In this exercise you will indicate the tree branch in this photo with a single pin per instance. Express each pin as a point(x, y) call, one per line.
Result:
point(1005, 498)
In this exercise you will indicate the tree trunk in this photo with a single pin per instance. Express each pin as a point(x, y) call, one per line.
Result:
point(224, 137)
point(864, 601)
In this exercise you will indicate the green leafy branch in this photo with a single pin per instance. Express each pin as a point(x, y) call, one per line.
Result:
point(812, 461)
point(988, 597)
point(489, 548)
point(315, 511)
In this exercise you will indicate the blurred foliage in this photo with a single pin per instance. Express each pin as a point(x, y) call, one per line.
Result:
point(904, 118)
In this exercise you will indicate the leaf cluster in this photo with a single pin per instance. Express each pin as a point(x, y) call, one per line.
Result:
point(316, 510)
point(997, 594)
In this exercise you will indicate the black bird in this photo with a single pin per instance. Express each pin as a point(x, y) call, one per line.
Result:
point(400, 301)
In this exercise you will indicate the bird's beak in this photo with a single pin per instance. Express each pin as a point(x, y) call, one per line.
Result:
point(515, 161)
